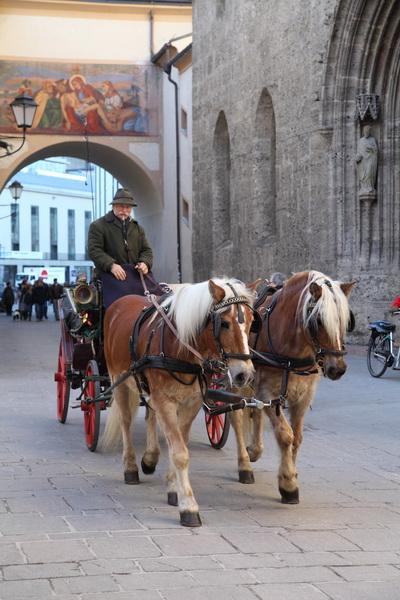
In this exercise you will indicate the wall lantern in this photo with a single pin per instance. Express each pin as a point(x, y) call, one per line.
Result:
point(24, 109)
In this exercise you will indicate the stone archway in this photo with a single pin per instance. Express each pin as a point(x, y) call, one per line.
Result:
point(135, 164)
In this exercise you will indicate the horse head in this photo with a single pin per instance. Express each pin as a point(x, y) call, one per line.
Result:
point(324, 315)
point(216, 316)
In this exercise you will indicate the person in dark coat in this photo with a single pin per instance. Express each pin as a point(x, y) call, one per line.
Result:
point(118, 246)
point(8, 298)
point(56, 291)
point(39, 298)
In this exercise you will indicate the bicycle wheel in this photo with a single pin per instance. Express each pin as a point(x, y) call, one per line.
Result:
point(378, 355)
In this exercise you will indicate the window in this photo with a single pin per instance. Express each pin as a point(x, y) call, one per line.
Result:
point(184, 121)
point(53, 234)
point(71, 234)
point(14, 226)
point(88, 219)
point(35, 228)
point(185, 211)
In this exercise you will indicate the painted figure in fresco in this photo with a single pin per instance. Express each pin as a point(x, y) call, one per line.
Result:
point(81, 106)
point(48, 113)
point(367, 163)
point(115, 113)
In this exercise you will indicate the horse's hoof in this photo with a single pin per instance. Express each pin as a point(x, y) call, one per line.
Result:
point(190, 519)
point(246, 477)
point(131, 477)
point(289, 497)
point(147, 469)
point(172, 498)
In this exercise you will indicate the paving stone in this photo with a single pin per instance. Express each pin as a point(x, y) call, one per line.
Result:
point(368, 573)
point(127, 547)
point(103, 522)
point(132, 595)
point(257, 542)
point(22, 524)
point(225, 577)
point(42, 571)
point(374, 539)
point(159, 581)
point(192, 563)
point(56, 551)
point(46, 505)
point(367, 590)
point(290, 591)
point(369, 558)
point(320, 540)
point(13, 590)
point(247, 561)
point(195, 545)
point(87, 584)
point(239, 592)
point(294, 574)
point(107, 566)
point(27, 484)
point(10, 555)
point(88, 501)
point(309, 559)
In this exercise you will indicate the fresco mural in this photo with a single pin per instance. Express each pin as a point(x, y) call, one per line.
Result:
point(93, 99)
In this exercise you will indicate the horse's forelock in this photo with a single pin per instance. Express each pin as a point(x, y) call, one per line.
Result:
point(191, 304)
point(331, 308)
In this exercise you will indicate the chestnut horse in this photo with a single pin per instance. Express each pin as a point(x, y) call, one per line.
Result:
point(212, 322)
point(302, 338)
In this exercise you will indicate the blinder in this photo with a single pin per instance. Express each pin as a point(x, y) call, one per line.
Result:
point(313, 325)
point(351, 323)
point(257, 323)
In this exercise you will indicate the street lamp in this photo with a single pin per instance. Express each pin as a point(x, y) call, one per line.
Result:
point(24, 109)
point(16, 190)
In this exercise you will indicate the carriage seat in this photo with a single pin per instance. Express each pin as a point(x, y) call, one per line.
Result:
point(382, 326)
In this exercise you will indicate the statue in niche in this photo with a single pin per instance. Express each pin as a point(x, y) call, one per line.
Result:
point(367, 163)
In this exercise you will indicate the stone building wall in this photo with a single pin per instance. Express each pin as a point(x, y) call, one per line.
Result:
point(275, 137)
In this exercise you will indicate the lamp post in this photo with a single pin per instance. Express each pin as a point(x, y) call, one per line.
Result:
point(24, 109)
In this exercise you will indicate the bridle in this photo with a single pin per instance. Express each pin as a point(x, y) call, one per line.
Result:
point(218, 323)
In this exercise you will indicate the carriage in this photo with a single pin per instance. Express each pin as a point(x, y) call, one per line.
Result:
point(81, 366)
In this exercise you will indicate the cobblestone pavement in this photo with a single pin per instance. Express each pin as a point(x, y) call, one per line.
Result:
point(70, 528)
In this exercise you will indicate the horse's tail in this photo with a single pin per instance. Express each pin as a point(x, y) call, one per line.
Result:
point(112, 436)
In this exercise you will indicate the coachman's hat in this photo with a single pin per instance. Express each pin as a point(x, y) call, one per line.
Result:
point(123, 196)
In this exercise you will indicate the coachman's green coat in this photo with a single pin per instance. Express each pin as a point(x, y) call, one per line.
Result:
point(106, 243)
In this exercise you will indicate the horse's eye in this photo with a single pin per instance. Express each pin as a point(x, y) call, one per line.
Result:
point(225, 325)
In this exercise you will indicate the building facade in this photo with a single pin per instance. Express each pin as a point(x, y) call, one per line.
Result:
point(48, 225)
point(296, 137)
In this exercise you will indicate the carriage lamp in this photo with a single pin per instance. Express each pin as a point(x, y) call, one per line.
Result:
point(24, 109)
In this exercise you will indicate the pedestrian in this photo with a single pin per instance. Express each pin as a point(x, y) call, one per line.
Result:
point(119, 248)
point(7, 298)
point(56, 290)
point(39, 298)
point(47, 294)
point(26, 300)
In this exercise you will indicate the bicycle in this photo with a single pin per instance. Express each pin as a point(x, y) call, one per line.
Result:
point(382, 352)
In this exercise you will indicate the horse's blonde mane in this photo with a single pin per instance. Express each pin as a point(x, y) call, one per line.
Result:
point(190, 305)
point(332, 308)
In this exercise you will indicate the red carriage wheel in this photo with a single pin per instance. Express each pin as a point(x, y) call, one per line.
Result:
point(63, 385)
point(218, 429)
point(91, 410)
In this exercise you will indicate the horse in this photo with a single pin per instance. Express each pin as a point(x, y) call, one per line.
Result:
point(205, 330)
point(301, 339)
